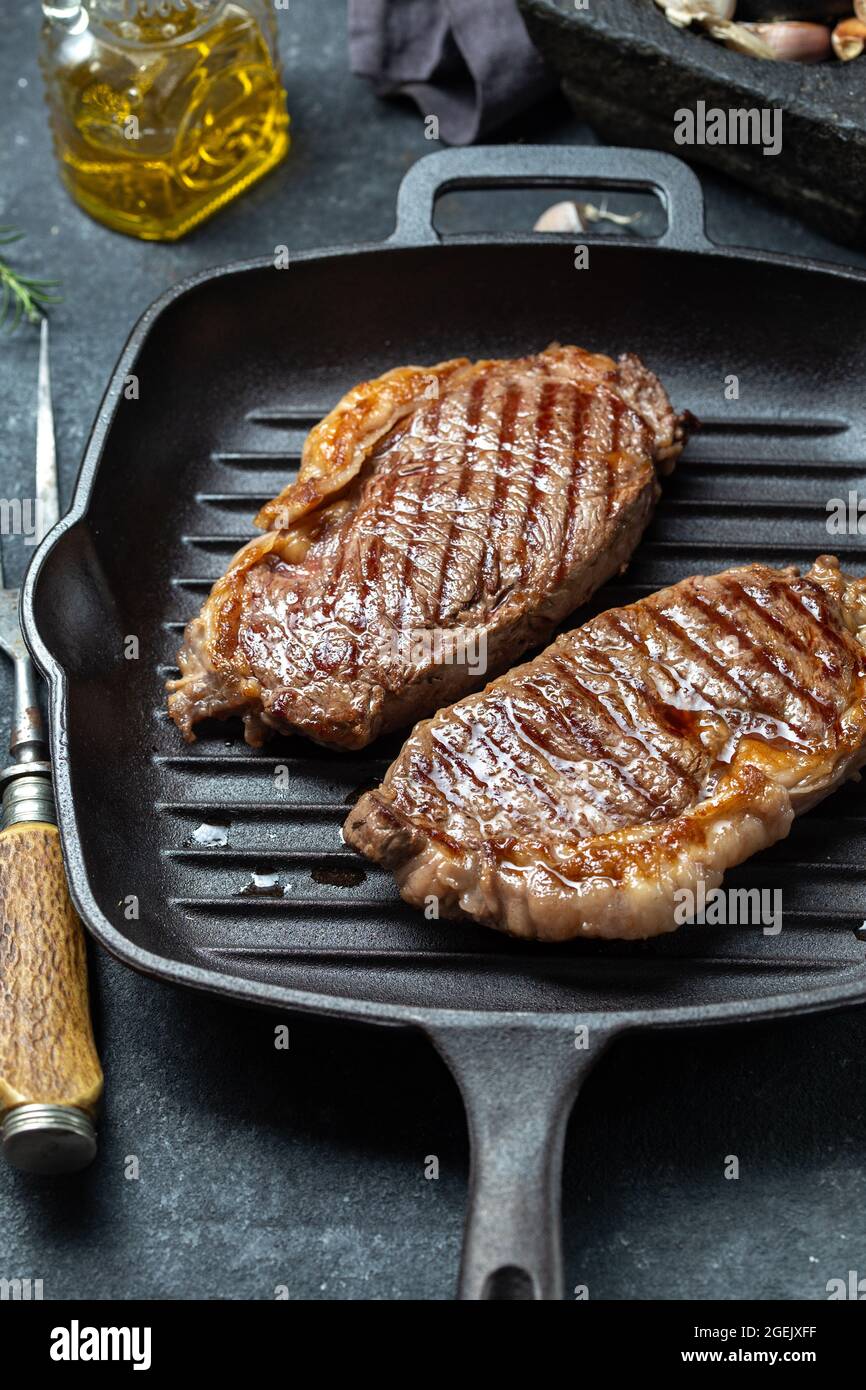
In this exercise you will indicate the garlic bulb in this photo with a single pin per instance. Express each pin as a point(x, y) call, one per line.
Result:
point(783, 40)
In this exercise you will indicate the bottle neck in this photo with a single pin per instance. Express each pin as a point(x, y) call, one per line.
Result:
point(63, 11)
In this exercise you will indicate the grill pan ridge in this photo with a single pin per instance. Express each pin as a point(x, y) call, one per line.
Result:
point(167, 489)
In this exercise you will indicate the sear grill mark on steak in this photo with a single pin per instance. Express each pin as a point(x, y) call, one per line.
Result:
point(646, 752)
point(486, 500)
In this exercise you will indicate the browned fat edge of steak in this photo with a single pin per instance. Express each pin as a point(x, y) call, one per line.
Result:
point(642, 390)
point(491, 506)
point(643, 754)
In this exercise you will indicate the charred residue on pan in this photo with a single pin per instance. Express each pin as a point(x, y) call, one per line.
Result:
point(339, 878)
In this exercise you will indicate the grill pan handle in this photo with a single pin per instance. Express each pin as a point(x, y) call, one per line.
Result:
point(540, 166)
point(518, 1083)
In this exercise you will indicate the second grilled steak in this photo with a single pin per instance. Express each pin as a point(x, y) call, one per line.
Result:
point(642, 754)
point(444, 519)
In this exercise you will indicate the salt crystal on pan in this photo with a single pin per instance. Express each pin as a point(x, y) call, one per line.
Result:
point(211, 835)
point(265, 880)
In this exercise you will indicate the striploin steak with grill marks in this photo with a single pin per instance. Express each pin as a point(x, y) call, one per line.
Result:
point(641, 754)
point(444, 520)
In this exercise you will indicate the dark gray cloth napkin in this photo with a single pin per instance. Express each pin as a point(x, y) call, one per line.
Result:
point(470, 63)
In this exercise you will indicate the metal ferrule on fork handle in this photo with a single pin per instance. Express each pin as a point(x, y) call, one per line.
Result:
point(27, 794)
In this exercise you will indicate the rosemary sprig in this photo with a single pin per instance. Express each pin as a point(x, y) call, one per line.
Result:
point(21, 294)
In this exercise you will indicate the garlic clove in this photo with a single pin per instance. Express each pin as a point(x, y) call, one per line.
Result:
point(860, 9)
point(683, 12)
point(849, 38)
point(739, 38)
point(561, 217)
point(574, 217)
point(794, 40)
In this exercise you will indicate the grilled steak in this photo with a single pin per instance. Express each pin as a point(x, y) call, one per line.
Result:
point(444, 519)
point(643, 753)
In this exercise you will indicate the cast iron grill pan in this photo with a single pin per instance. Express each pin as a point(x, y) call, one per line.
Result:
point(233, 369)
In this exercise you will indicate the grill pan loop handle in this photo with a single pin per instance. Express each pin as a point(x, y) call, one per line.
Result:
point(540, 166)
point(518, 1083)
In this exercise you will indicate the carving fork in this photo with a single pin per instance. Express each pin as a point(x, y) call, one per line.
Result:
point(50, 1077)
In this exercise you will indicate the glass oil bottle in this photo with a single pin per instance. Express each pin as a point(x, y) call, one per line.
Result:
point(162, 111)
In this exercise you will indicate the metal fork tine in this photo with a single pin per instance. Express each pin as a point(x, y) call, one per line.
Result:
point(47, 500)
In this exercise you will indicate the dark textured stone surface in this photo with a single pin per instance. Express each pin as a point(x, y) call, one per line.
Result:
point(628, 71)
point(305, 1168)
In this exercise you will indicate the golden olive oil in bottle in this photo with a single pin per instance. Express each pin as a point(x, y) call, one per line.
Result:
point(162, 111)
